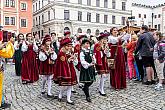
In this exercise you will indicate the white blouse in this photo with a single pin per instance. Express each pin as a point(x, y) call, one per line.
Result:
point(43, 57)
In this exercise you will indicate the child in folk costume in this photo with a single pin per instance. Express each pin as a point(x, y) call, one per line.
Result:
point(29, 62)
point(87, 72)
point(130, 57)
point(47, 58)
point(101, 52)
point(65, 74)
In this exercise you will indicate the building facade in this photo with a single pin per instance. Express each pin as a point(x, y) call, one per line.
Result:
point(16, 16)
point(151, 15)
point(78, 16)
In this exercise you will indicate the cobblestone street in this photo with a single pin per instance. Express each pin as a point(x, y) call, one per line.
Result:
point(28, 97)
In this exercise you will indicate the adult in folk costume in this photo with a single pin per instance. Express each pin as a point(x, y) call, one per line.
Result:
point(101, 52)
point(55, 42)
point(118, 74)
point(6, 51)
point(87, 72)
point(18, 53)
point(29, 63)
point(47, 58)
point(65, 74)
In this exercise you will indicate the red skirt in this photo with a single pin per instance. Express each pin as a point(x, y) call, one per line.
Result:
point(46, 68)
point(29, 67)
point(103, 69)
point(118, 75)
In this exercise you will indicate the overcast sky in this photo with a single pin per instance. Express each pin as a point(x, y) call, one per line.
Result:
point(149, 2)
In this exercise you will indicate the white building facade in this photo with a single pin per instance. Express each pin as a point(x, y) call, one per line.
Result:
point(78, 16)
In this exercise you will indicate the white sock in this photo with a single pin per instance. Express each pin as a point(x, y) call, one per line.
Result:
point(61, 92)
point(49, 85)
point(159, 84)
point(72, 88)
point(69, 93)
point(44, 78)
point(102, 80)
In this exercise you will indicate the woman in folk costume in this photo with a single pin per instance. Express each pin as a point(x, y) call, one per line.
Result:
point(47, 58)
point(29, 63)
point(6, 51)
point(101, 52)
point(65, 74)
point(18, 53)
point(118, 74)
point(87, 72)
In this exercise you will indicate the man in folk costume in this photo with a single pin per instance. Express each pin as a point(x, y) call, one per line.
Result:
point(65, 74)
point(55, 42)
point(29, 63)
point(6, 51)
point(101, 52)
point(87, 73)
point(47, 58)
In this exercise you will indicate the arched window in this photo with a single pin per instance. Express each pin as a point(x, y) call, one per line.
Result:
point(79, 30)
point(97, 32)
point(88, 31)
point(66, 29)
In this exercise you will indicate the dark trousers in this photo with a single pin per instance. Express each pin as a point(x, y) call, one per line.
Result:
point(86, 88)
point(140, 67)
point(18, 67)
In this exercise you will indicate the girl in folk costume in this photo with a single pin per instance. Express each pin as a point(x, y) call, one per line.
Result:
point(29, 62)
point(18, 53)
point(47, 57)
point(101, 51)
point(118, 74)
point(65, 74)
point(87, 72)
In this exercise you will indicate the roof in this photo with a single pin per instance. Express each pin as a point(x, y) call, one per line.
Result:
point(149, 2)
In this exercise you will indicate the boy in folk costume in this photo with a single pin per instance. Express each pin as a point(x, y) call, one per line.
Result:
point(6, 51)
point(87, 72)
point(47, 58)
point(101, 52)
point(65, 74)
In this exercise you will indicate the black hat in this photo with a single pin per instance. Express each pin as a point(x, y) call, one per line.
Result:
point(85, 40)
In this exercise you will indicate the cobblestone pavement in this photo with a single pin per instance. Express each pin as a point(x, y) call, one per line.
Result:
point(135, 97)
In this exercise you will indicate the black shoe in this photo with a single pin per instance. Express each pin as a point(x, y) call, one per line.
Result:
point(81, 86)
point(5, 105)
point(71, 103)
point(43, 93)
point(88, 99)
point(147, 83)
point(74, 92)
point(153, 82)
point(102, 94)
point(50, 96)
point(60, 99)
point(24, 82)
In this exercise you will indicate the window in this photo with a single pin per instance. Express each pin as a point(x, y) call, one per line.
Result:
point(39, 4)
point(105, 19)
point(88, 17)
point(113, 19)
point(89, 2)
point(43, 18)
point(155, 16)
point(42, 3)
point(12, 20)
point(23, 23)
point(98, 3)
point(149, 26)
point(105, 3)
point(66, 14)
point(39, 20)
point(33, 22)
point(123, 20)
point(36, 6)
point(158, 27)
point(12, 3)
point(33, 8)
point(155, 26)
point(79, 16)
point(36, 21)
point(23, 6)
point(97, 18)
point(79, 1)
point(144, 15)
point(48, 15)
point(7, 3)
point(66, 1)
point(6, 20)
point(42, 33)
point(113, 4)
point(139, 15)
point(54, 12)
point(123, 6)
point(159, 15)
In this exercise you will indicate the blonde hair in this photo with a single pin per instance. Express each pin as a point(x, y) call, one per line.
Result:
point(134, 37)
